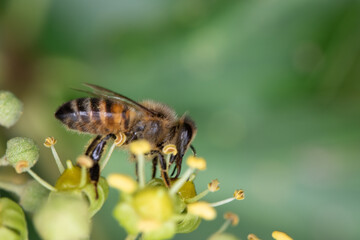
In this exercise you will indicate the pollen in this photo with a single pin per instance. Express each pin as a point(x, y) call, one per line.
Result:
point(214, 185)
point(85, 161)
point(196, 163)
point(50, 141)
point(232, 217)
point(120, 139)
point(21, 165)
point(239, 194)
point(122, 182)
point(170, 149)
point(280, 236)
point(202, 209)
point(140, 147)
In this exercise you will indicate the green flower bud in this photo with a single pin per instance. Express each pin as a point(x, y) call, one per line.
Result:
point(69, 179)
point(64, 216)
point(153, 203)
point(12, 221)
point(33, 196)
point(10, 109)
point(223, 236)
point(22, 153)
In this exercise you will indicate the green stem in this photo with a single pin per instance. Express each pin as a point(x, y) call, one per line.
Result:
point(108, 155)
point(198, 197)
point(141, 170)
point(57, 159)
point(11, 187)
point(219, 203)
point(179, 183)
point(223, 227)
point(41, 181)
point(83, 176)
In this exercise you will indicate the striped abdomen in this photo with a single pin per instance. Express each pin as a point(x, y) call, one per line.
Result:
point(95, 115)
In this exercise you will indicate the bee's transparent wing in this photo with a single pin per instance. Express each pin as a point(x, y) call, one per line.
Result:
point(106, 93)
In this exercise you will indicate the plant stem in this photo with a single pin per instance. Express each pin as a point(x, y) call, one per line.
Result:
point(198, 197)
point(219, 203)
point(83, 177)
point(141, 170)
point(108, 155)
point(57, 159)
point(223, 227)
point(179, 183)
point(41, 181)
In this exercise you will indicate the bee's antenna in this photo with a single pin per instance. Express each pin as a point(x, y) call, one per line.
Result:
point(193, 150)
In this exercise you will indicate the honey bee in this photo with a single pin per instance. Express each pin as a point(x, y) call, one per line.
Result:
point(108, 113)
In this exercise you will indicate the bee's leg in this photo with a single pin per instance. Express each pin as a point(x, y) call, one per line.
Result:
point(154, 164)
point(164, 172)
point(177, 167)
point(95, 151)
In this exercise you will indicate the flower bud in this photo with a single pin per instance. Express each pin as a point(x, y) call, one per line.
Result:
point(33, 196)
point(22, 153)
point(12, 220)
point(70, 178)
point(10, 109)
point(153, 203)
point(64, 216)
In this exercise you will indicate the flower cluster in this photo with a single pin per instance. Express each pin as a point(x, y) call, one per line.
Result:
point(147, 210)
point(152, 210)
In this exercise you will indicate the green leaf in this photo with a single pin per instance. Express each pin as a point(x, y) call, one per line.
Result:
point(12, 220)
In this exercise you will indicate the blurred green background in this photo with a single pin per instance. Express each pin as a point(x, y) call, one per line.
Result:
point(272, 85)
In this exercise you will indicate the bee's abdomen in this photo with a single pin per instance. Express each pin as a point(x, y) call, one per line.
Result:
point(94, 115)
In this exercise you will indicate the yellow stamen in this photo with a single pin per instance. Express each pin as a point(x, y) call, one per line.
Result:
point(85, 161)
point(252, 236)
point(281, 236)
point(196, 163)
point(232, 217)
point(214, 185)
point(202, 209)
point(239, 194)
point(122, 182)
point(170, 149)
point(49, 141)
point(140, 147)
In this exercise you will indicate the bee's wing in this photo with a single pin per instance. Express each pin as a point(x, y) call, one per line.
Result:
point(106, 93)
